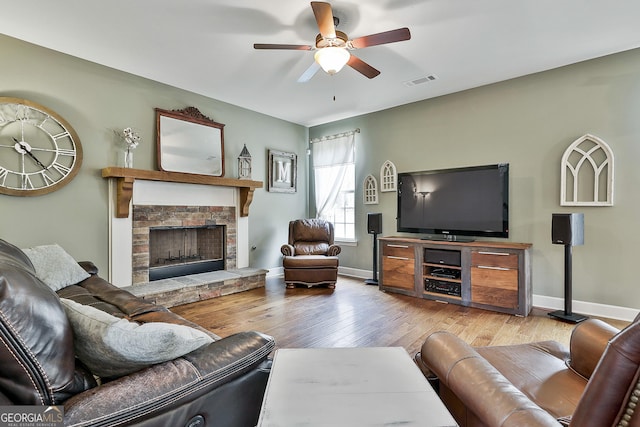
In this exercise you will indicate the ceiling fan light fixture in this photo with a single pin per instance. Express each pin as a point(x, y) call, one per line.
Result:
point(332, 58)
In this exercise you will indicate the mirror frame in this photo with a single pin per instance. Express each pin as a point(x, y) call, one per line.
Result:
point(186, 164)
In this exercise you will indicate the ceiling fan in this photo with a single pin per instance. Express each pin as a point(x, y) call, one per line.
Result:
point(333, 47)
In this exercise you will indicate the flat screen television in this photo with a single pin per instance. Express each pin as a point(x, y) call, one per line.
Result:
point(446, 203)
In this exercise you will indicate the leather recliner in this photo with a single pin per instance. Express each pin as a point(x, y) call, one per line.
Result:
point(310, 256)
point(593, 383)
point(220, 384)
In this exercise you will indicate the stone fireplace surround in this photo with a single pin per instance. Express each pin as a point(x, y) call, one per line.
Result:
point(146, 217)
point(219, 203)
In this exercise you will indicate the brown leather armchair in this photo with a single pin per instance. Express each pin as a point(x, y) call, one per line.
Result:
point(593, 383)
point(310, 257)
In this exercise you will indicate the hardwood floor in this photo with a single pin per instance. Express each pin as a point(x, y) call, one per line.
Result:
point(359, 315)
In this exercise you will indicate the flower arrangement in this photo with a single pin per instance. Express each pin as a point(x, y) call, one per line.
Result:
point(130, 137)
point(131, 140)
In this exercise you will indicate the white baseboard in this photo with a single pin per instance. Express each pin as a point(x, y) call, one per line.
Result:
point(586, 308)
point(345, 271)
point(275, 272)
point(355, 272)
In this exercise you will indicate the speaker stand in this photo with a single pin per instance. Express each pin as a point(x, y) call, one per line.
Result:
point(566, 314)
point(374, 281)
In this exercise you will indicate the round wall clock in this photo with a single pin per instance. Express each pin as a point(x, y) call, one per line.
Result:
point(39, 151)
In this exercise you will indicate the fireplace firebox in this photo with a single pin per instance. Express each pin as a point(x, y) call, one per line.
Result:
point(180, 251)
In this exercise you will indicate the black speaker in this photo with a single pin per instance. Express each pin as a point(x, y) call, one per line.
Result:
point(374, 223)
point(567, 229)
point(374, 226)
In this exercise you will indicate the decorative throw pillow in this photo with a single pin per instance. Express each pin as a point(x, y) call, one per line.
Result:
point(55, 267)
point(112, 347)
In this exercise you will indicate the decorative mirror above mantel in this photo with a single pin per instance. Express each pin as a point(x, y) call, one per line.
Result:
point(189, 142)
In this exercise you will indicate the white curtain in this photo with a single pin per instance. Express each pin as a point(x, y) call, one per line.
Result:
point(331, 157)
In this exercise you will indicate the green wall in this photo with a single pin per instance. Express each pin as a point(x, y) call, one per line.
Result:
point(97, 100)
point(527, 122)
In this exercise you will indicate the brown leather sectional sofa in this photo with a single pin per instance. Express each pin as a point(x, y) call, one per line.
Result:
point(593, 383)
point(220, 384)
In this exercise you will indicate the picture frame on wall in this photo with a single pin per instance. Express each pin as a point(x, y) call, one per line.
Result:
point(283, 172)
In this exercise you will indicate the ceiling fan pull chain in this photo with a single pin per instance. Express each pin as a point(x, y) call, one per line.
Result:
point(333, 86)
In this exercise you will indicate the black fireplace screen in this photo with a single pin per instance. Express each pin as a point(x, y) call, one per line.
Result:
point(179, 251)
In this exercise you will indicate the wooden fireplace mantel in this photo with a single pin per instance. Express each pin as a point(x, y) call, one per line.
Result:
point(125, 178)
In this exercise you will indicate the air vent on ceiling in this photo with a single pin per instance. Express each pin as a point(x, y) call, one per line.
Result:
point(421, 80)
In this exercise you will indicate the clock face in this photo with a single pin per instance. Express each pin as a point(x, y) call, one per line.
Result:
point(39, 151)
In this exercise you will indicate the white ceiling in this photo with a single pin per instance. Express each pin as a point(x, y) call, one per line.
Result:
point(206, 46)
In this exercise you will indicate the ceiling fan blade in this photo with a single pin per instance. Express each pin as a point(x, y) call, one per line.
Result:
point(324, 18)
point(282, 46)
point(362, 67)
point(392, 36)
point(309, 73)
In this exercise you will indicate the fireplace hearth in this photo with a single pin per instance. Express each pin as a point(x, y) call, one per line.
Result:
point(180, 251)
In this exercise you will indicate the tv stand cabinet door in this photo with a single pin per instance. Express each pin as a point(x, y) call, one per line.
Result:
point(398, 267)
point(495, 279)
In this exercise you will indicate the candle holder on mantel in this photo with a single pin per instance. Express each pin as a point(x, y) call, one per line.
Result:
point(244, 164)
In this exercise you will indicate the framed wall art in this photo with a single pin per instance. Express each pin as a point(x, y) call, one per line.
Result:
point(587, 173)
point(283, 172)
point(388, 176)
point(370, 190)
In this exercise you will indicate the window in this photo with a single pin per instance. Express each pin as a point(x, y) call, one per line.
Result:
point(343, 214)
point(334, 177)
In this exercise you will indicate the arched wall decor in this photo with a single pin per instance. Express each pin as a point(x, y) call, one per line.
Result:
point(388, 177)
point(587, 173)
point(370, 192)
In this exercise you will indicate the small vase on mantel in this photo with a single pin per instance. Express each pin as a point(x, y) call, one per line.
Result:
point(131, 140)
point(128, 157)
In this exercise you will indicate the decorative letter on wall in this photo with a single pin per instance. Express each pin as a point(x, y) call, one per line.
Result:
point(388, 176)
point(587, 173)
point(370, 190)
point(283, 172)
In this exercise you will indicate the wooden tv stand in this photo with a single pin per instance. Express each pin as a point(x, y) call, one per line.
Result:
point(490, 275)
